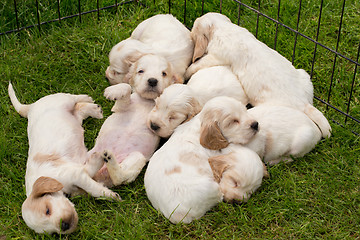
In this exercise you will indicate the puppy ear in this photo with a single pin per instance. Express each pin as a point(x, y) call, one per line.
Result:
point(133, 57)
point(218, 166)
point(200, 36)
point(177, 78)
point(194, 108)
point(45, 185)
point(211, 136)
point(129, 76)
point(201, 44)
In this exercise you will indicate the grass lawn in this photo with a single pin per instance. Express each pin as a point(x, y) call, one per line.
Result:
point(315, 197)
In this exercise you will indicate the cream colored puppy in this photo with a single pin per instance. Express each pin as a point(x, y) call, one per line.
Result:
point(150, 75)
point(267, 77)
point(276, 132)
point(179, 181)
point(179, 103)
point(58, 160)
point(125, 135)
point(161, 35)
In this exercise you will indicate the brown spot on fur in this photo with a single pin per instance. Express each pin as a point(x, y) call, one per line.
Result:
point(44, 158)
point(190, 158)
point(211, 137)
point(176, 169)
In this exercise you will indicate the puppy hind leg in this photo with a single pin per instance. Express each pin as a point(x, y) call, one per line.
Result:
point(305, 140)
point(83, 110)
point(127, 170)
point(82, 98)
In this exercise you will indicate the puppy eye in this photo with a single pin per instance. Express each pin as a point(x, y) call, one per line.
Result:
point(164, 74)
point(172, 118)
point(141, 71)
point(47, 211)
point(235, 121)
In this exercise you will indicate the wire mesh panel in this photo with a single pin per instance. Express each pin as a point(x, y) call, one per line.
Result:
point(322, 38)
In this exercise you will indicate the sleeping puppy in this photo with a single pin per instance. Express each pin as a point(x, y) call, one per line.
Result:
point(179, 181)
point(58, 160)
point(267, 77)
point(179, 103)
point(126, 136)
point(161, 35)
point(236, 176)
point(275, 132)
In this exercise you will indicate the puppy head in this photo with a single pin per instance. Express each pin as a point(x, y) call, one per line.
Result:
point(176, 105)
point(238, 178)
point(47, 210)
point(202, 31)
point(150, 75)
point(121, 57)
point(225, 120)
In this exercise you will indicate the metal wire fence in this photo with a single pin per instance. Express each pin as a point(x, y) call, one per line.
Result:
point(345, 112)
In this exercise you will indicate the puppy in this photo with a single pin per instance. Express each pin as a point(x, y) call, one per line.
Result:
point(179, 103)
point(58, 160)
point(161, 35)
point(150, 75)
point(267, 77)
point(126, 136)
point(274, 132)
point(179, 181)
point(238, 178)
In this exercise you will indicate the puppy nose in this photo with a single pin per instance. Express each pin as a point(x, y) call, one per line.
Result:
point(255, 126)
point(152, 82)
point(65, 226)
point(153, 126)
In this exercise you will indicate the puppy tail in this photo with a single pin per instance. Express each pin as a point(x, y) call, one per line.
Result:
point(22, 109)
point(319, 119)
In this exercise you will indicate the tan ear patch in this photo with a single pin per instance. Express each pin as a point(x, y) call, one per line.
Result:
point(45, 185)
point(218, 166)
point(201, 43)
point(195, 108)
point(211, 136)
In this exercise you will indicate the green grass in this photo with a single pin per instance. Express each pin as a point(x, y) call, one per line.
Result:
point(315, 197)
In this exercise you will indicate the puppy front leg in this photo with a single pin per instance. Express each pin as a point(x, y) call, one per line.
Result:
point(120, 93)
point(95, 189)
point(127, 170)
point(204, 62)
point(94, 163)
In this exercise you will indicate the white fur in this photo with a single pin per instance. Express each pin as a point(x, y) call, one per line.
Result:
point(282, 131)
point(179, 103)
point(179, 181)
point(58, 161)
point(161, 35)
point(267, 77)
point(124, 134)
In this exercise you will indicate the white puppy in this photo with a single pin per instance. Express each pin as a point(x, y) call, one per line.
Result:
point(278, 132)
point(161, 35)
point(179, 181)
point(267, 77)
point(150, 75)
point(58, 160)
point(125, 135)
point(179, 103)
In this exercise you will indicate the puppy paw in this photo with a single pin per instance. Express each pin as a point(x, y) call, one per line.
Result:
point(115, 196)
point(118, 92)
point(96, 111)
point(84, 98)
point(107, 157)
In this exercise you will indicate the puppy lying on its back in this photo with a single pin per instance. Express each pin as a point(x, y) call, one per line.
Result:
point(58, 160)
